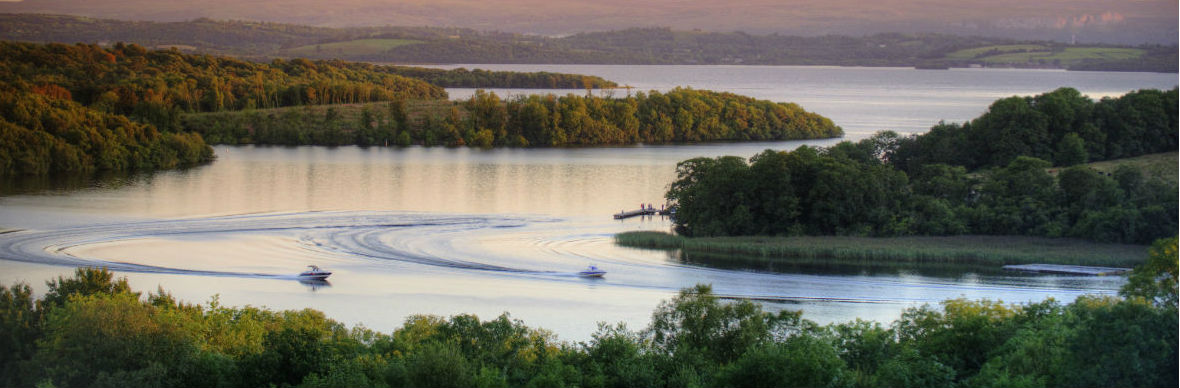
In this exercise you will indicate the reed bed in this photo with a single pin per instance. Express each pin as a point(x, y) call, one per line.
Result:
point(985, 250)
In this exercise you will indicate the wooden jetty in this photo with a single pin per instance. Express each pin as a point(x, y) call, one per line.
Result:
point(633, 213)
point(1068, 269)
point(647, 211)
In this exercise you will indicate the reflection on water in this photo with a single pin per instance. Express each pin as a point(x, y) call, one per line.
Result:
point(825, 266)
point(457, 230)
point(247, 179)
point(315, 284)
point(64, 183)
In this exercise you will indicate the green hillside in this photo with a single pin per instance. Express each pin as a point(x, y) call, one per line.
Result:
point(1038, 55)
point(636, 46)
point(349, 48)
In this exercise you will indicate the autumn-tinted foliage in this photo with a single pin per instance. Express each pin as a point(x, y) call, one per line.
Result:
point(84, 108)
point(679, 115)
point(157, 85)
point(41, 134)
point(478, 78)
point(486, 120)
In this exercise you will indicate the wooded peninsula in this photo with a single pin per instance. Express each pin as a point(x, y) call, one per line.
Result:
point(485, 120)
point(1012, 171)
point(173, 103)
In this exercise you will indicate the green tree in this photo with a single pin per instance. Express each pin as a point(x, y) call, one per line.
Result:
point(20, 326)
point(439, 365)
point(803, 361)
point(711, 196)
point(911, 369)
point(620, 355)
point(1122, 344)
point(1071, 150)
point(1156, 279)
point(1010, 128)
point(114, 339)
point(961, 336)
point(696, 322)
point(86, 281)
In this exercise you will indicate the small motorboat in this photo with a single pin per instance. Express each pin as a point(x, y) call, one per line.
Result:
point(592, 272)
point(314, 273)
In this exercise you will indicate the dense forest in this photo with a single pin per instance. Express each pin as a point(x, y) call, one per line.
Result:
point(630, 46)
point(156, 86)
point(93, 330)
point(43, 132)
point(164, 88)
point(478, 78)
point(1062, 127)
point(485, 120)
point(992, 176)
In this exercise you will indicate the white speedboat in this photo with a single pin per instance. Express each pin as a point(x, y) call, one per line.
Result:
point(592, 272)
point(314, 273)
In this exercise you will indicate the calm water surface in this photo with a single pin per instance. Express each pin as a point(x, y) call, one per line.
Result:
point(861, 100)
point(448, 231)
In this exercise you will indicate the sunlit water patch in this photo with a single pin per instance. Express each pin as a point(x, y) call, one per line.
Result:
point(405, 263)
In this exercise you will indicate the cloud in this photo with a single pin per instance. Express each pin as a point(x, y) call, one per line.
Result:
point(1107, 18)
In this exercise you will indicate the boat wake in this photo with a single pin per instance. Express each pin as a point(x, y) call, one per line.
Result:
point(496, 250)
point(384, 237)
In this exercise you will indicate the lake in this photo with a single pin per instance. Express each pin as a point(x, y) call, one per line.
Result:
point(447, 231)
point(862, 100)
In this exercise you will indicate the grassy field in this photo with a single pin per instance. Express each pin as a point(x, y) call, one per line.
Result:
point(352, 47)
point(1165, 166)
point(1068, 57)
point(1007, 48)
point(1038, 54)
point(986, 250)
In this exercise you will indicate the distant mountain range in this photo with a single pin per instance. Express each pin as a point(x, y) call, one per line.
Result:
point(406, 45)
point(1090, 21)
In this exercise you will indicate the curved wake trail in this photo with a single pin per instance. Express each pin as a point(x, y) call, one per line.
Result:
point(529, 249)
point(398, 237)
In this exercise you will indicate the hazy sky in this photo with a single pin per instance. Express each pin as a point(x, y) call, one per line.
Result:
point(1128, 21)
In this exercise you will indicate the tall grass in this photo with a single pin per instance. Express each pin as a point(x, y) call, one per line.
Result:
point(987, 250)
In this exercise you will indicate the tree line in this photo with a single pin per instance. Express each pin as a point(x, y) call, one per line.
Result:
point(82, 108)
point(479, 78)
point(93, 330)
point(888, 185)
point(486, 120)
point(43, 132)
point(1062, 127)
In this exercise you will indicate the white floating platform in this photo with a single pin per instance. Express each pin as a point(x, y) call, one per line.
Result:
point(1068, 269)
